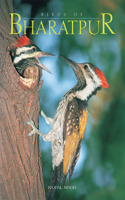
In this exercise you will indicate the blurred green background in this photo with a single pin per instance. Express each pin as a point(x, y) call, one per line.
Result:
point(100, 171)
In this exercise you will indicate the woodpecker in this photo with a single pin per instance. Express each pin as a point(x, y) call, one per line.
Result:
point(26, 54)
point(69, 123)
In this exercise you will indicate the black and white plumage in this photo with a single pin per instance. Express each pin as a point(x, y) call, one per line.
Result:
point(26, 54)
point(69, 123)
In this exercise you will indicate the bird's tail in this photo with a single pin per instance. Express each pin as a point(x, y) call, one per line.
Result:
point(56, 177)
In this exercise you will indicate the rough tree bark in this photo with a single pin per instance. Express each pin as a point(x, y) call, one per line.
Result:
point(21, 176)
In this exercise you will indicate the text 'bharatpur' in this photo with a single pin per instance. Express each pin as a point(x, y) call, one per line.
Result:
point(66, 26)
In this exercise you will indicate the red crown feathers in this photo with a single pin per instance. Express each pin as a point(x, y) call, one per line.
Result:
point(102, 78)
point(23, 41)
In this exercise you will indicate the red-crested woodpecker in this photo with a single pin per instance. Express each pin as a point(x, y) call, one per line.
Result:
point(69, 123)
point(25, 54)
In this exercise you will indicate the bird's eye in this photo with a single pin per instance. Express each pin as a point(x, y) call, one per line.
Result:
point(85, 67)
point(34, 49)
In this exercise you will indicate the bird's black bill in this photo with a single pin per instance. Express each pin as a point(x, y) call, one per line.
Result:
point(73, 64)
point(41, 54)
point(43, 67)
point(44, 54)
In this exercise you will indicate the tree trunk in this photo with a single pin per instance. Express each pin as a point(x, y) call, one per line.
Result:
point(20, 156)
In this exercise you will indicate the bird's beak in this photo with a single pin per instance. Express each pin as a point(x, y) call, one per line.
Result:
point(41, 54)
point(72, 63)
point(44, 54)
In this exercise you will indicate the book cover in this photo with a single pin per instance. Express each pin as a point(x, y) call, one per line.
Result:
point(85, 32)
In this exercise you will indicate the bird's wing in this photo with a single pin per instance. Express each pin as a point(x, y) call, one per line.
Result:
point(73, 132)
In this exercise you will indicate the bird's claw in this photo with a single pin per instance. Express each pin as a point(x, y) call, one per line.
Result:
point(41, 112)
point(31, 123)
point(31, 133)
